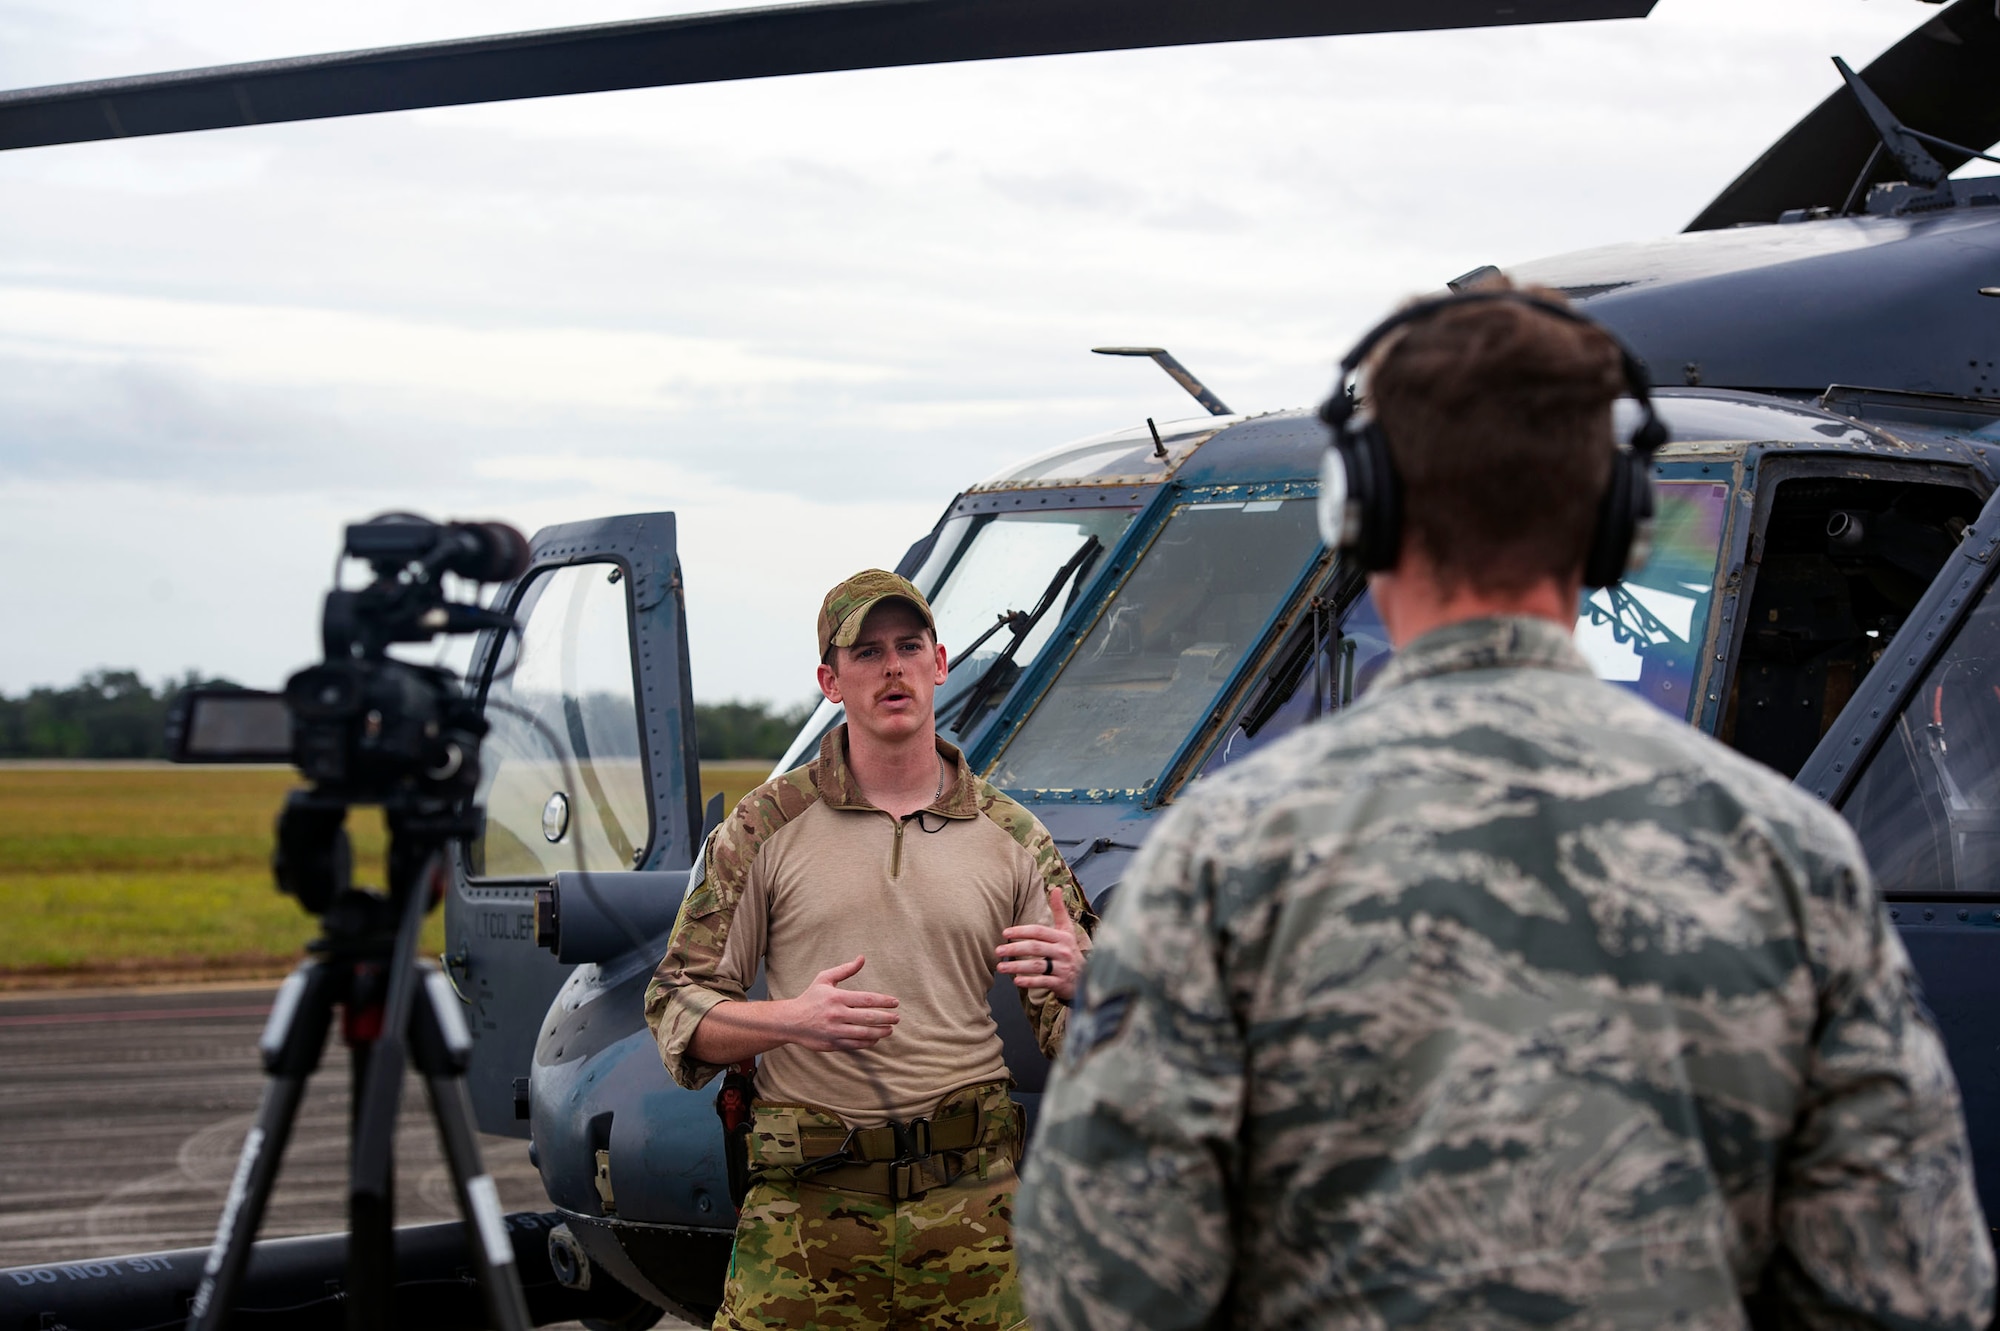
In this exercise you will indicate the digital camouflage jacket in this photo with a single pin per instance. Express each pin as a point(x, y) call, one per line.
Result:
point(1501, 999)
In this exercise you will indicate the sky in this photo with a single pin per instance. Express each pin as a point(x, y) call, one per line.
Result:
point(800, 313)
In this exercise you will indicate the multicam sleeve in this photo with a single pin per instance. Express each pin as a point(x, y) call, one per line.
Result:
point(1123, 1218)
point(1046, 1013)
point(1046, 868)
point(701, 968)
point(1878, 1220)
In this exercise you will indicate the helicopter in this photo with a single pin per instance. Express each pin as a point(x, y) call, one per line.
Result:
point(1820, 594)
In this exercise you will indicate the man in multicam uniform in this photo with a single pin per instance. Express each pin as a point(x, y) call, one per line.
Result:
point(884, 1140)
point(1501, 999)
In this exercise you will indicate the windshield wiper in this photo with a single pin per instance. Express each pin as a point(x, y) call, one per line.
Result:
point(1021, 624)
point(1310, 646)
point(1006, 619)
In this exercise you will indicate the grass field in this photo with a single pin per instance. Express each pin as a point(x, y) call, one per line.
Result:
point(143, 873)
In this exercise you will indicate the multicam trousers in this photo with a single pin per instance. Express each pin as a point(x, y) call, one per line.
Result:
point(809, 1256)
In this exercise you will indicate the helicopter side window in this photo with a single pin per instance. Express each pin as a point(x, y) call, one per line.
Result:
point(1843, 561)
point(1645, 634)
point(1149, 670)
point(564, 782)
point(1927, 806)
point(985, 578)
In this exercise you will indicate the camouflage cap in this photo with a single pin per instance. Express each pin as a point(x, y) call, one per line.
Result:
point(847, 605)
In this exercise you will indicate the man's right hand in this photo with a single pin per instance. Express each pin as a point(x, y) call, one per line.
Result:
point(825, 1017)
point(828, 1018)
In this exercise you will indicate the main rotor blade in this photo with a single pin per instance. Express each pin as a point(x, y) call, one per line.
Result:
point(1939, 80)
point(710, 48)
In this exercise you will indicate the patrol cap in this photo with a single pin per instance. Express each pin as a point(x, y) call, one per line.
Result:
point(847, 605)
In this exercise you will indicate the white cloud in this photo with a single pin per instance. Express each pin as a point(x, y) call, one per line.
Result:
point(756, 563)
point(498, 368)
point(800, 312)
point(169, 578)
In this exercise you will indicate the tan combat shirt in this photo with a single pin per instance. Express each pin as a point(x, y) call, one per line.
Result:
point(806, 874)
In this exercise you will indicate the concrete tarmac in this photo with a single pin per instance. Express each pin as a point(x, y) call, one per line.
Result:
point(122, 1113)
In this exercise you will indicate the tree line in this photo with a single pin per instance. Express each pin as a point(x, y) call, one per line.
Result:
point(725, 730)
point(116, 714)
point(106, 714)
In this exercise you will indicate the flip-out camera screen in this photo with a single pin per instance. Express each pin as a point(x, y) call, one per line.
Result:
point(229, 726)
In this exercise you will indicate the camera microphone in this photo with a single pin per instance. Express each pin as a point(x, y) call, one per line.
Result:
point(484, 551)
point(481, 551)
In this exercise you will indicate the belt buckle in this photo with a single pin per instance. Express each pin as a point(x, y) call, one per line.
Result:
point(831, 1160)
point(913, 1152)
point(912, 1178)
point(918, 1132)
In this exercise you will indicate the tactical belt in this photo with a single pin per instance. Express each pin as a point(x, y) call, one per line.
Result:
point(903, 1160)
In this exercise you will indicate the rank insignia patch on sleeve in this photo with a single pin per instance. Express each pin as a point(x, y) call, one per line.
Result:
point(1099, 1023)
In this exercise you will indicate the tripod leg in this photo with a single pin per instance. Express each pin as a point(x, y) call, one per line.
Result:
point(383, 1030)
point(441, 1045)
point(291, 1044)
point(371, 1212)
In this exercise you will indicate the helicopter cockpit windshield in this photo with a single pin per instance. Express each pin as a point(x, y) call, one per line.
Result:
point(985, 578)
point(1152, 665)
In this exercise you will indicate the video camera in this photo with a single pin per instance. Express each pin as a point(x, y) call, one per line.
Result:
point(366, 728)
point(363, 727)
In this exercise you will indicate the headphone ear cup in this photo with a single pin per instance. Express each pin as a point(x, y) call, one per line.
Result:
point(1378, 496)
point(1624, 536)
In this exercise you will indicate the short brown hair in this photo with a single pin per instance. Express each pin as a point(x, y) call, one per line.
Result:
point(1498, 417)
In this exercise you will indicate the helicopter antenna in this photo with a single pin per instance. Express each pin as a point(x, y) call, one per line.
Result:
point(1179, 372)
point(1902, 142)
point(1922, 168)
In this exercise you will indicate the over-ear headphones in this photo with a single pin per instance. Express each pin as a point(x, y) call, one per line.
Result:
point(1361, 497)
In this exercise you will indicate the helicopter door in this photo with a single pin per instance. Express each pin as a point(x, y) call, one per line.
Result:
point(589, 764)
point(1913, 763)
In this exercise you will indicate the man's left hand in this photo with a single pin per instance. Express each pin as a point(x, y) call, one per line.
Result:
point(1041, 956)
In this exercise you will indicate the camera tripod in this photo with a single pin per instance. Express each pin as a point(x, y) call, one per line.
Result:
point(393, 1007)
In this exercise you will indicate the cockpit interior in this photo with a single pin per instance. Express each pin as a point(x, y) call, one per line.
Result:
point(1837, 566)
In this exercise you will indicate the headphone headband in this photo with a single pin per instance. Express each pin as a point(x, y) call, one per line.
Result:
point(1647, 438)
point(1361, 498)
